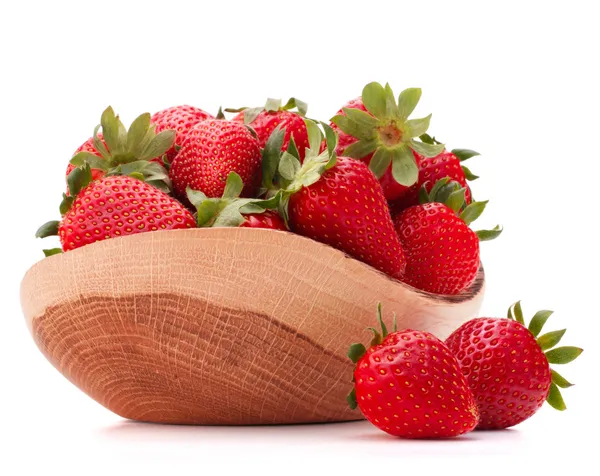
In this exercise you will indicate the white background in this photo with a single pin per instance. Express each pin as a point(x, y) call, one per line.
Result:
point(516, 81)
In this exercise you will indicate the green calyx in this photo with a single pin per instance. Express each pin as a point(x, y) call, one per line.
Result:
point(555, 355)
point(134, 148)
point(229, 210)
point(387, 132)
point(358, 350)
point(461, 154)
point(452, 194)
point(283, 172)
point(272, 105)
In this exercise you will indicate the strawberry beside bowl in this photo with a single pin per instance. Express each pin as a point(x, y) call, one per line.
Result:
point(219, 325)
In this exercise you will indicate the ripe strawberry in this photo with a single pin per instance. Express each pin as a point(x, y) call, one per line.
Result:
point(180, 119)
point(408, 384)
point(442, 252)
point(337, 201)
point(508, 369)
point(376, 129)
point(433, 169)
point(211, 150)
point(269, 219)
point(114, 206)
point(116, 148)
point(264, 120)
point(231, 210)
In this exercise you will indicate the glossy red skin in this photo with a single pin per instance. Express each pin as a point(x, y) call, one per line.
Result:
point(211, 150)
point(411, 386)
point(391, 189)
point(442, 252)
point(347, 210)
point(88, 146)
point(431, 170)
point(266, 122)
point(505, 368)
point(118, 206)
point(180, 119)
point(269, 219)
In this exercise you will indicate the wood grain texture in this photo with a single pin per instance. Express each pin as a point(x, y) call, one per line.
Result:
point(219, 326)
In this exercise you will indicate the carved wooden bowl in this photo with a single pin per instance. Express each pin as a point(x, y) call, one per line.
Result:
point(219, 326)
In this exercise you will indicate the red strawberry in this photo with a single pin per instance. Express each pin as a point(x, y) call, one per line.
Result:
point(180, 119)
point(268, 219)
point(264, 120)
point(408, 384)
point(116, 149)
point(376, 129)
point(508, 369)
point(211, 150)
point(231, 210)
point(115, 206)
point(442, 252)
point(433, 169)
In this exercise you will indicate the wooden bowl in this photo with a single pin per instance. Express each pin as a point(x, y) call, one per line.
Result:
point(219, 326)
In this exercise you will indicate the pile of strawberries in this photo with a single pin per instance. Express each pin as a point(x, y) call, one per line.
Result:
point(371, 183)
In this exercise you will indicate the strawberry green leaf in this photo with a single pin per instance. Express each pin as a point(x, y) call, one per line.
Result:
point(427, 139)
point(559, 380)
point(488, 235)
point(384, 331)
point(207, 212)
point(423, 195)
point(404, 167)
point(374, 99)
point(161, 143)
point(270, 157)
point(456, 200)
point(390, 102)
point(292, 148)
point(356, 351)
point(94, 161)
point(407, 102)
point(537, 322)
point(288, 166)
point(555, 398)
point(331, 138)
point(233, 186)
point(52, 251)
point(417, 127)
point(351, 399)
point(78, 179)
point(350, 127)
point(65, 204)
point(518, 313)
point(381, 161)
point(361, 148)
point(377, 339)
point(315, 137)
point(361, 118)
point(137, 131)
point(292, 103)
point(563, 355)
point(394, 323)
point(196, 197)
point(272, 105)
point(426, 150)
point(220, 114)
point(550, 339)
point(99, 145)
point(48, 229)
point(464, 154)
point(470, 176)
point(473, 211)
point(251, 113)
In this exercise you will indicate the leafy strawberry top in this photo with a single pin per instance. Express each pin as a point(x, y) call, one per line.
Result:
point(452, 194)
point(230, 208)
point(129, 152)
point(387, 131)
point(272, 105)
point(547, 342)
point(461, 154)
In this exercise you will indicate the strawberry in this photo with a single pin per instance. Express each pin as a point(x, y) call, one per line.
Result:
point(211, 150)
point(376, 129)
point(433, 169)
point(337, 201)
point(113, 206)
point(180, 119)
point(231, 210)
point(134, 150)
point(508, 366)
point(264, 120)
point(408, 384)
